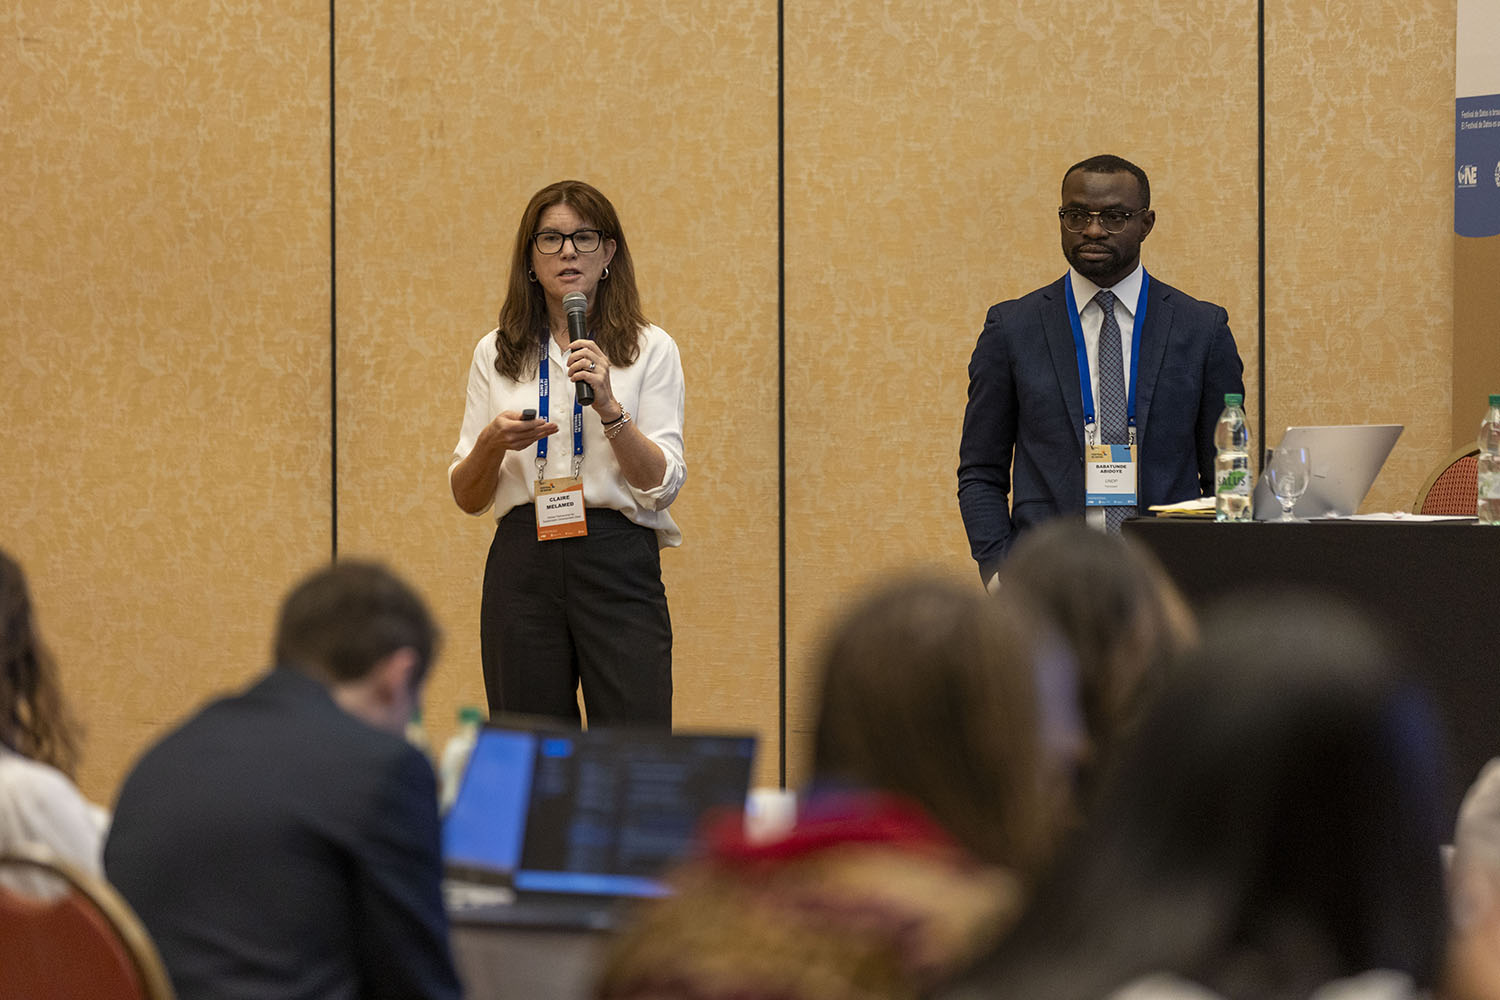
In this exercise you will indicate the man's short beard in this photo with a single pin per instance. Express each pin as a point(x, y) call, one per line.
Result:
point(1092, 269)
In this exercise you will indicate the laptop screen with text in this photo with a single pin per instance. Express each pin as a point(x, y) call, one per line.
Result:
point(596, 812)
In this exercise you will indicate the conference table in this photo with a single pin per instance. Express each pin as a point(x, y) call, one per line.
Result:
point(1433, 585)
point(526, 964)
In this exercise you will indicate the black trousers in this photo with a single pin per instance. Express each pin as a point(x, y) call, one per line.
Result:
point(586, 612)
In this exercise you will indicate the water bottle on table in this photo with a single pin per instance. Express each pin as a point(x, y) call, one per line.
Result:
point(456, 752)
point(1232, 476)
point(1489, 464)
point(416, 733)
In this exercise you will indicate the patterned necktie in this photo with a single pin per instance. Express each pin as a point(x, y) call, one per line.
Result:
point(1113, 425)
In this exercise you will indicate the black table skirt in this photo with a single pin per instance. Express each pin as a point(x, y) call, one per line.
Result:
point(1434, 585)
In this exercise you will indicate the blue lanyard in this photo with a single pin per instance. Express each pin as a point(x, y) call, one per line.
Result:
point(1086, 384)
point(543, 393)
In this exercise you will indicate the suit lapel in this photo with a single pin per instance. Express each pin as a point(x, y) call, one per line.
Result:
point(1057, 328)
point(1153, 352)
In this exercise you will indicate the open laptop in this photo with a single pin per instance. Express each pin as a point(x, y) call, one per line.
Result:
point(562, 825)
point(1345, 461)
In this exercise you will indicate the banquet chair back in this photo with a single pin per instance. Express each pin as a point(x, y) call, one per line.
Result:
point(1452, 488)
point(67, 935)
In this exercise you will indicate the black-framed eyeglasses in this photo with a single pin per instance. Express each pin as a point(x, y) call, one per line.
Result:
point(1076, 220)
point(584, 240)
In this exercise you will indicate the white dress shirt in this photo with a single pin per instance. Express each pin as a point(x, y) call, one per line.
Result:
point(652, 389)
point(1091, 318)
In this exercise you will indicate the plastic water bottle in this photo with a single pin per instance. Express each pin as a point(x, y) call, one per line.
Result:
point(1232, 476)
point(456, 755)
point(769, 814)
point(1489, 464)
point(416, 733)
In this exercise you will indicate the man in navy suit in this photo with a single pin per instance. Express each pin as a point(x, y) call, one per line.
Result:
point(1027, 408)
point(284, 842)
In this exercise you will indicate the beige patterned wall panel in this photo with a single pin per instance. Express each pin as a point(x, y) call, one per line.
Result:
point(1359, 225)
point(164, 338)
point(164, 327)
point(1476, 333)
point(447, 123)
point(925, 149)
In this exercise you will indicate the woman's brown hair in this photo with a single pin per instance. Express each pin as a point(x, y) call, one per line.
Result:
point(34, 719)
point(615, 316)
point(931, 690)
point(1114, 603)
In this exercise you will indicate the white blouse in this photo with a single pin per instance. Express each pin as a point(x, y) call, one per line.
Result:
point(39, 804)
point(652, 390)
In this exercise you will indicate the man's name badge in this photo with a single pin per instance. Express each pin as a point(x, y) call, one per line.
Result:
point(1109, 476)
point(559, 509)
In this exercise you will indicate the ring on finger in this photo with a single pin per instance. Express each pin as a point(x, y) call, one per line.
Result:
point(591, 366)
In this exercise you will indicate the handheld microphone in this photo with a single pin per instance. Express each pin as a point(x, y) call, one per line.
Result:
point(577, 304)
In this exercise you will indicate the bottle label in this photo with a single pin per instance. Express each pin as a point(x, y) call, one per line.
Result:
point(1233, 481)
point(1489, 478)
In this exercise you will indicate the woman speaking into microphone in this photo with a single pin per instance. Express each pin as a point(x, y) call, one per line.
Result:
point(580, 486)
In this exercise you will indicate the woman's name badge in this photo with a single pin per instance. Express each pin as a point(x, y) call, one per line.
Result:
point(559, 509)
point(1109, 476)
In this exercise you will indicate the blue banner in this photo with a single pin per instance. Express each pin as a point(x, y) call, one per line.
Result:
point(1476, 155)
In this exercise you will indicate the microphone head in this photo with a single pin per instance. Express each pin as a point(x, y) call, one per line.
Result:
point(576, 302)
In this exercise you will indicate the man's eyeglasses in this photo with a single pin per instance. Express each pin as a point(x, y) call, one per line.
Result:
point(1076, 220)
point(584, 240)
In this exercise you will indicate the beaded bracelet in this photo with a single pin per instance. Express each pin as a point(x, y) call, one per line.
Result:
point(614, 427)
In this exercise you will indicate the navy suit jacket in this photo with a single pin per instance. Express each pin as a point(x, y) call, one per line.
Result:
point(276, 846)
point(1025, 412)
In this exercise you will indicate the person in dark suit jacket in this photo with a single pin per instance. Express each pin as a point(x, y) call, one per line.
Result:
point(284, 841)
point(1026, 408)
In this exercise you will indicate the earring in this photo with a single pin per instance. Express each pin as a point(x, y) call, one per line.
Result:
point(530, 275)
point(605, 274)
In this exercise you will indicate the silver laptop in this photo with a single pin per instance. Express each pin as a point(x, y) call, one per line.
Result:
point(1345, 458)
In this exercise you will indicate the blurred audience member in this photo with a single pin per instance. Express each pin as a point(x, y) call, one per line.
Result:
point(1474, 891)
point(38, 741)
point(1271, 831)
point(283, 842)
point(933, 803)
point(1114, 603)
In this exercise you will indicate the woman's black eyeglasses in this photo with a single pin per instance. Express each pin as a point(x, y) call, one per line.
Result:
point(584, 240)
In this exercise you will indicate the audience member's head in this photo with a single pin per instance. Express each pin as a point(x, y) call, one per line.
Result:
point(284, 840)
point(1474, 892)
point(945, 734)
point(359, 629)
point(1114, 603)
point(1272, 826)
point(953, 699)
point(34, 719)
point(1476, 840)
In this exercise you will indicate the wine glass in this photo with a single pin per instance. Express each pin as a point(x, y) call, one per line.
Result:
point(1289, 474)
